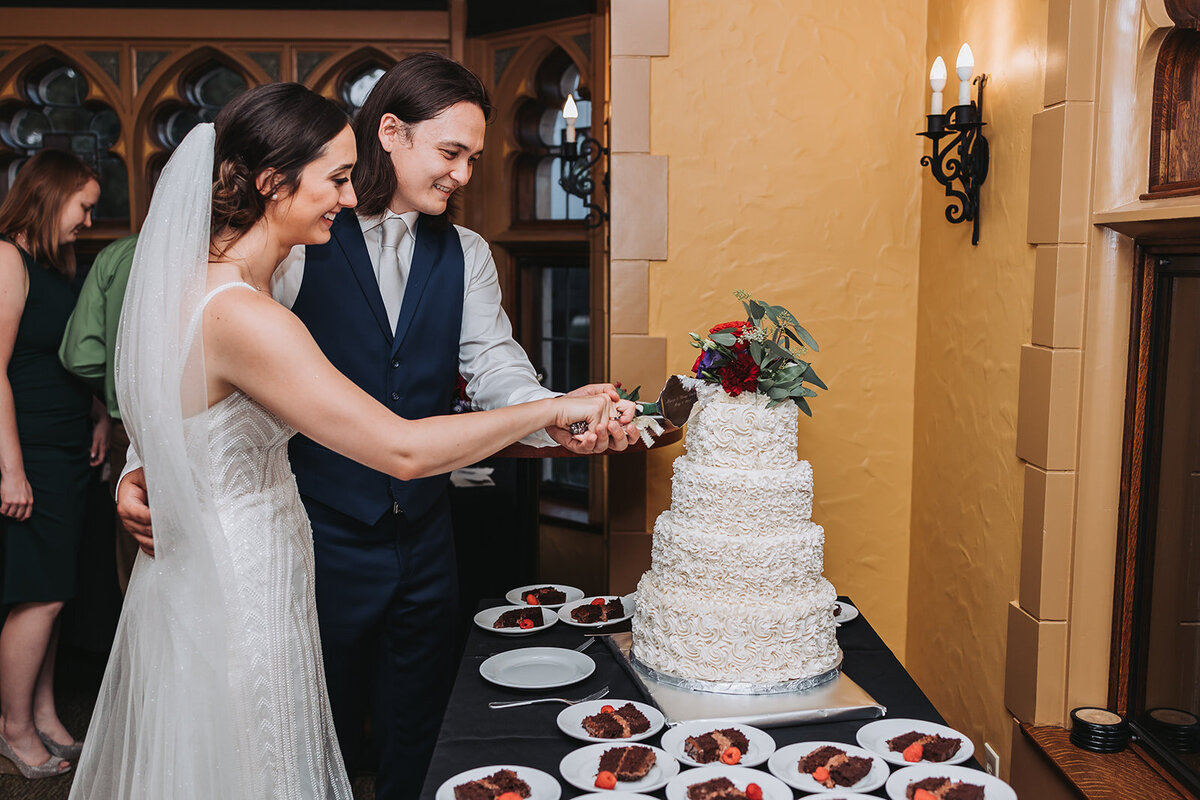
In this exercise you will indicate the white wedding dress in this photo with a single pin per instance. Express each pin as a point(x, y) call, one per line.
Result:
point(214, 689)
point(284, 743)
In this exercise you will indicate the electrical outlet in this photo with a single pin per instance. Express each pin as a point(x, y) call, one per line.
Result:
point(991, 760)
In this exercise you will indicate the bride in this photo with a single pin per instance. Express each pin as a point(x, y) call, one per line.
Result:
point(214, 688)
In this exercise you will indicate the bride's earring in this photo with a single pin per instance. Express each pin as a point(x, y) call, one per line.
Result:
point(274, 196)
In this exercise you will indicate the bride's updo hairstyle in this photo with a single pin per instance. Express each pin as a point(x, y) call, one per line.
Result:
point(416, 89)
point(281, 127)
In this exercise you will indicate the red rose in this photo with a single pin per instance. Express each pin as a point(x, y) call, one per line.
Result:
point(737, 328)
point(740, 375)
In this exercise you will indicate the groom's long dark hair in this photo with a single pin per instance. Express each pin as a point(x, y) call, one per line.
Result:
point(418, 88)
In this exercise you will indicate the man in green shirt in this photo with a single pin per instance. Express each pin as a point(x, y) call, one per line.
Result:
point(87, 352)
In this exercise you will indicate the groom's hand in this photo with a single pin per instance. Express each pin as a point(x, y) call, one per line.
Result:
point(133, 507)
point(621, 432)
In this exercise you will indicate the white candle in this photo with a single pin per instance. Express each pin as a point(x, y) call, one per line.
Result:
point(570, 114)
point(937, 82)
point(963, 66)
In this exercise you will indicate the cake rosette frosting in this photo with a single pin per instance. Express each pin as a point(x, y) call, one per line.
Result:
point(735, 592)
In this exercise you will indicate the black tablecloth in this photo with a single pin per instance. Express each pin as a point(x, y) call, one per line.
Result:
point(474, 735)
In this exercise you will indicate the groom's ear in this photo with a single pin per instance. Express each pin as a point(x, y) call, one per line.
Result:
point(393, 132)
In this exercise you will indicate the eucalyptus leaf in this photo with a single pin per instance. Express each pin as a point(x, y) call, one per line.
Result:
point(727, 339)
point(778, 352)
point(757, 352)
point(803, 404)
point(810, 375)
point(756, 310)
point(807, 337)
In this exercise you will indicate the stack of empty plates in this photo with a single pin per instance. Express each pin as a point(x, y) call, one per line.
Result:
point(1098, 730)
point(1174, 727)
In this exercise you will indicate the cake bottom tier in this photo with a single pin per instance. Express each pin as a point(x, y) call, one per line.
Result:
point(734, 639)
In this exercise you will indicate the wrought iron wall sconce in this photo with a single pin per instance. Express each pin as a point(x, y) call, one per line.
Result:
point(577, 160)
point(961, 163)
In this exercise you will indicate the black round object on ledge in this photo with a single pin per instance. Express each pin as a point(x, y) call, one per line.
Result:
point(1098, 730)
point(1178, 729)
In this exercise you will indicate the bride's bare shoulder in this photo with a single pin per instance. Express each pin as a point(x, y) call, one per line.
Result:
point(249, 318)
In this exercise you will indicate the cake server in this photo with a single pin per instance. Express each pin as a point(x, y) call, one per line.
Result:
point(515, 703)
point(674, 403)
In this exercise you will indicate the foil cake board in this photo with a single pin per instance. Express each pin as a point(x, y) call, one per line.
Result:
point(837, 699)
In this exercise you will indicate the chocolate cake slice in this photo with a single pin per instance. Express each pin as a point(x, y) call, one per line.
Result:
point(832, 766)
point(931, 785)
point(512, 618)
point(707, 747)
point(598, 612)
point(716, 789)
point(630, 763)
point(618, 724)
point(964, 791)
point(933, 747)
point(546, 595)
point(492, 786)
point(945, 789)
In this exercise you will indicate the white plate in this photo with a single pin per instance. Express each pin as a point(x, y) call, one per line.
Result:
point(579, 768)
point(785, 765)
point(542, 786)
point(993, 788)
point(761, 743)
point(570, 720)
point(874, 736)
point(628, 602)
point(773, 788)
point(615, 795)
point(849, 612)
point(537, 668)
point(487, 618)
point(517, 596)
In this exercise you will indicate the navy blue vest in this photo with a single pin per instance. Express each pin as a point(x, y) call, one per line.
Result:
point(412, 371)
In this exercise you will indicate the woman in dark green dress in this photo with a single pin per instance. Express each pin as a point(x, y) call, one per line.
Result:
point(46, 443)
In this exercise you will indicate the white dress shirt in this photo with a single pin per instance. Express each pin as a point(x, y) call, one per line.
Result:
point(497, 370)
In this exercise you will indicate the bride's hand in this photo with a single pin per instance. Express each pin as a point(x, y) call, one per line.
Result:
point(597, 410)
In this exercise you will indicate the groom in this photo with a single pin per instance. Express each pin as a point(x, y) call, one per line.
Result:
point(401, 302)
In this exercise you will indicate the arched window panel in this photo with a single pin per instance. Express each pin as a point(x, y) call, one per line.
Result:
point(539, 131)
point(53, 110)
point(203, 92)
point(357, 83)
point(349, 79)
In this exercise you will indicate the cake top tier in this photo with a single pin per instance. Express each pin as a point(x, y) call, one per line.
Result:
point(741, 432)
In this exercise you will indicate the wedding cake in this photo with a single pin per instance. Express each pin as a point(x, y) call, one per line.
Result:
point(735, 592)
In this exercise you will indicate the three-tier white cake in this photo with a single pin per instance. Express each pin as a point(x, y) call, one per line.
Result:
point(735, 591)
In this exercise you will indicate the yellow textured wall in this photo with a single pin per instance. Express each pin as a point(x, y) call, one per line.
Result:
point(793, 174)
point(974, 313)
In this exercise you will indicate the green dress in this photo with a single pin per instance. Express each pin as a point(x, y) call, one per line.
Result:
point(41, 554)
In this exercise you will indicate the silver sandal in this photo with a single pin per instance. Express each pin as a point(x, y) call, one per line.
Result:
point(51, 768)
point(67, 752)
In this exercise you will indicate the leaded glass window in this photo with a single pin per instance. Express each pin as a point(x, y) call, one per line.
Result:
point(357, 84)
point(540, 130)
point(54, 111)
point(205, 92)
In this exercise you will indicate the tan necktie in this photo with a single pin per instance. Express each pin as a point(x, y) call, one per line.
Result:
point(391, 275)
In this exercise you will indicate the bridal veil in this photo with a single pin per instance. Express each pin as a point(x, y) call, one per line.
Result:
point(160, 727)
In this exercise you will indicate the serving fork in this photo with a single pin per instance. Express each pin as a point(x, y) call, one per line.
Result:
point(514, 703)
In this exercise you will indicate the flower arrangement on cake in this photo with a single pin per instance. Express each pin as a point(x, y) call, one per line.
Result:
point(757, 355)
